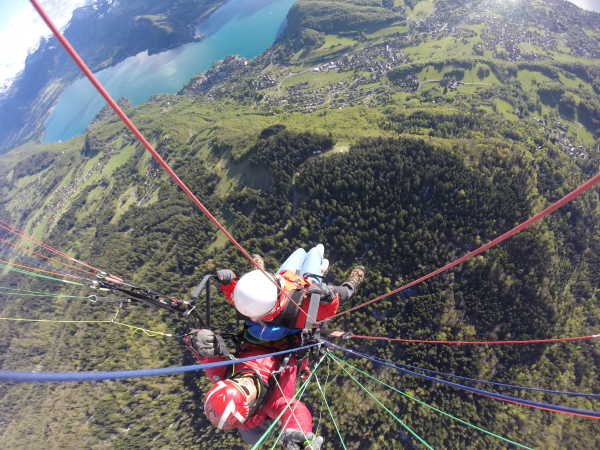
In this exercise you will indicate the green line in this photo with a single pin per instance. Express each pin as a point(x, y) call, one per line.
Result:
point(297, 394)
point(318, 427)
point(41, 295)
point(330, 413)
point(26, 293)
point(150, 333)
point(300, 394)
point(33, 274)
point(20, 290)
point(464, 422)
point(409, 429)
point(26, 290)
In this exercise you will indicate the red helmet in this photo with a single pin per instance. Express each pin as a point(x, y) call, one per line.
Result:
point(226, 405)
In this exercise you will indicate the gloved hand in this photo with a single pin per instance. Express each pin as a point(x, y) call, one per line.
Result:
point(297, 440)
point(226, 276)
point(209, 344)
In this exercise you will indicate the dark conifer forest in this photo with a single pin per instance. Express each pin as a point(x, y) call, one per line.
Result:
point(390, 167)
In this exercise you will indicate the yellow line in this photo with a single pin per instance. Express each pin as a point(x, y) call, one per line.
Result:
point(150, 333)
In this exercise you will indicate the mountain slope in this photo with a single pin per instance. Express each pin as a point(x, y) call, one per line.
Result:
point(403, 178)
point(104, 33)
point(481, 57)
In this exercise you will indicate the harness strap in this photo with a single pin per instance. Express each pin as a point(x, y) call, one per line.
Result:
point(261, 387)
point(313, 309)
point(288, 316)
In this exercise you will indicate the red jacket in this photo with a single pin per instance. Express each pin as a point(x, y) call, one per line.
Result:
point(292, 281)
point(276, 400)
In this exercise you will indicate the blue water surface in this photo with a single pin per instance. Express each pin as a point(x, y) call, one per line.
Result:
point(243, 27)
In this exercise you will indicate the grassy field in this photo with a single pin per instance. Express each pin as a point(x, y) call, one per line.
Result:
point(393, 29)
point(334, 42)
point(422, 9)
point(438, 50)
point(531, 80)
point(317, 79)
point(505, 108)
point(186, 131)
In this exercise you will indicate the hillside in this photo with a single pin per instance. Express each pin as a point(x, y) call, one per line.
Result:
point(422, 134)
point(105, 33)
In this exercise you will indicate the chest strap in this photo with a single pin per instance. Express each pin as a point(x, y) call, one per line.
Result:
point(313, 309)
point(287, 318)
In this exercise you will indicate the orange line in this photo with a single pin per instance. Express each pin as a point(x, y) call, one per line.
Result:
point(40, 255)
point(64, 275)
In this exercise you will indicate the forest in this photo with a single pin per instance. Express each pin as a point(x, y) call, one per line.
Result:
point(456, 147)
point(401, 207)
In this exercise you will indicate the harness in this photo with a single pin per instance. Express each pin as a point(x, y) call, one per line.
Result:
point(288, 316)
point(262, 388)
point(289, 309)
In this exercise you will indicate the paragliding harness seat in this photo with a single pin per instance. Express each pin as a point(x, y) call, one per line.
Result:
point(289, 312)
point(188, 308)
point(301, 359)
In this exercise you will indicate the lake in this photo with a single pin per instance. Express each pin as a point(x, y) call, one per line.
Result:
point(243, 27)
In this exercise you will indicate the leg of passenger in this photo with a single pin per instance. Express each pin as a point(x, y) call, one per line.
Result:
point(294, 261)
point(348, 287)
point(312, 262)
point(345, 291)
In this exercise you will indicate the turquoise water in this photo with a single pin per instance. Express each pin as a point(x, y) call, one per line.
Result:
point(243, 27)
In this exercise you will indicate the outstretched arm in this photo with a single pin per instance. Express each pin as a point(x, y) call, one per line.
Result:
point(228, 280)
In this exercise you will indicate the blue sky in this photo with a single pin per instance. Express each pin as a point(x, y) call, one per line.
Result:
point(21, 30)
point(9, 10)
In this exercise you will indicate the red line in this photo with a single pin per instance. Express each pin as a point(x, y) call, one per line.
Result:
point(549, 210)
point(117, 109)
point(529, 341)
point(35, 269)
point(24, 250)
point(14, 230)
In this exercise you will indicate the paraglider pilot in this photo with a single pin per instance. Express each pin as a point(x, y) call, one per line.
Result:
point(271, 302)
point(250, 395)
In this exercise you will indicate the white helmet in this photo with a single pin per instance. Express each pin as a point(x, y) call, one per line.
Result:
point(255, 294)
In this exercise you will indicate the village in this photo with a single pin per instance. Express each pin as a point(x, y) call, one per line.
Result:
point(558, 133)
point(528, 35)
point(517, 37)
point(369, 66)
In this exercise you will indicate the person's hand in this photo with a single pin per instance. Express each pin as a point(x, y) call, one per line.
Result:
point(226, 276)
point(209, 344)
point(297, 440)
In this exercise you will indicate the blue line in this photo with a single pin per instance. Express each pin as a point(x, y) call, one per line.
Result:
point(494, 383)
point(43, 377)
point(557, 408)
